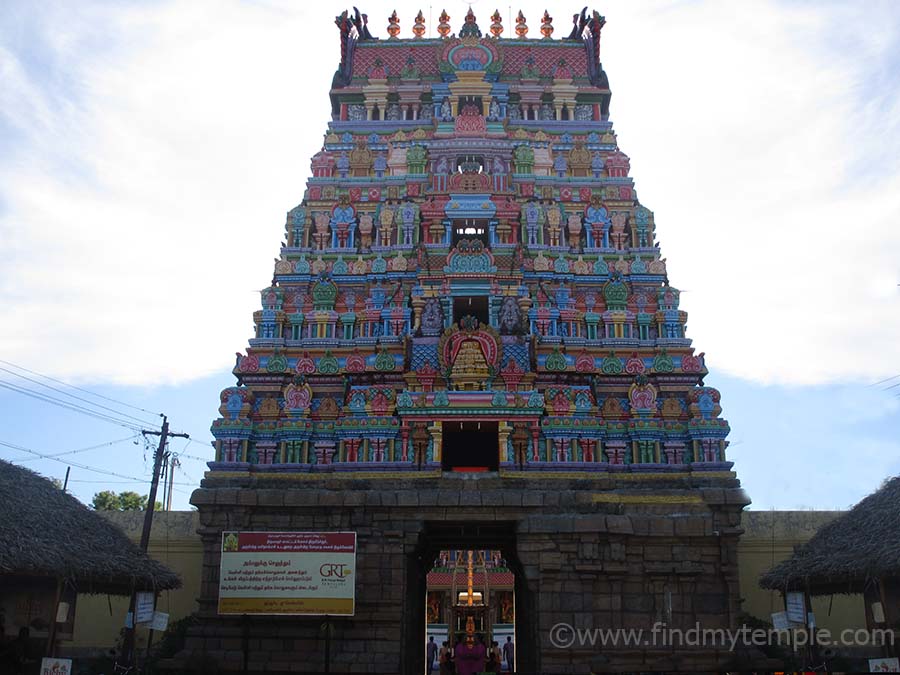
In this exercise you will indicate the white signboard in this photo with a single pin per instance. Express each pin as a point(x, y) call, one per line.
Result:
point(56, 666)
point(143, 607)
point(160, 621)
point(288, 573)
point(795, 604)
point(884, 665)
point(780, 621)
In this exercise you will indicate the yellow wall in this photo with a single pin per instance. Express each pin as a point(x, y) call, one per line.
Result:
point(770, 536)
point(174, 542)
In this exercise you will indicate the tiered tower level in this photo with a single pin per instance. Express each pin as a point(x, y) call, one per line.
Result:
point(470, 342)
point(470, 246)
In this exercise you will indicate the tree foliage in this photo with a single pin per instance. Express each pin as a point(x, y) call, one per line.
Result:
point(108, 500)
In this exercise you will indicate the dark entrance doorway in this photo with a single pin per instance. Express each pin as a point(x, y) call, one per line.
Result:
point(471, 305)
point(470, 446)
point(477, 536)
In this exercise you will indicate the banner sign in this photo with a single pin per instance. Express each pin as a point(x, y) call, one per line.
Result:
point(884, 665)
point(288, 573)
point(795, 604)
point(56, 666)
point(143, 607)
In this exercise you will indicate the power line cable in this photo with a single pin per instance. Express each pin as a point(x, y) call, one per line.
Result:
point(74, 464)
point(85, 467)
point(69, 406)
point(80, 398)
point(73, 452)
point(887, 379)
point(86, 391)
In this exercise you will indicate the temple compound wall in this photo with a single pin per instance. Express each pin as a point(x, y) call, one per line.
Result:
point(470, 342)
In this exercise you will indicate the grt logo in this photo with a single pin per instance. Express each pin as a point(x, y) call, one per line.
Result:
point(334, 570)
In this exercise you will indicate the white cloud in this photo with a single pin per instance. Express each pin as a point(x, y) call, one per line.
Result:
point(156, 150)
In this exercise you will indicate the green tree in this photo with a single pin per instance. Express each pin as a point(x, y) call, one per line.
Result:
point(107, 500)
point(131, 501)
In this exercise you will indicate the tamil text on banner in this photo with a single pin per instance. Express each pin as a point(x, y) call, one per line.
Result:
point(287, 573)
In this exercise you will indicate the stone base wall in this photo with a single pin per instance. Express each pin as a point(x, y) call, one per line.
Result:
point(588, 552)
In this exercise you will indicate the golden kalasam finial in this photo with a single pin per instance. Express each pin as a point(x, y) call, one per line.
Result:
point(419, 25)
point(496, 23)
point(393, 25)
point(521, 26)
point(443, 28)
point(547, 25)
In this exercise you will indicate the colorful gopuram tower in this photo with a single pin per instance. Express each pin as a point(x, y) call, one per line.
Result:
point(470, 342)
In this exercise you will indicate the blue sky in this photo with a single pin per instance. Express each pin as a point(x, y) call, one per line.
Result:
point(149, 151)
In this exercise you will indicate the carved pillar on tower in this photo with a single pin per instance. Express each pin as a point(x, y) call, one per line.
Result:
point(535, 441)
point(404, 442)
point(436, 431)
point(503, 431)
point(418, 303)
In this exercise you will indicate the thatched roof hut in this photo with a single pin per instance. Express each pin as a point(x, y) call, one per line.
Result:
point(45, 532)
point(854, 552)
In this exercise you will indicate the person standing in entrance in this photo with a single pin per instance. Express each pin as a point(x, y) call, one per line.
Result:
point(493, 659)
point(509, 654)
point(430, 652)
point(470, 657)
point(446, 668)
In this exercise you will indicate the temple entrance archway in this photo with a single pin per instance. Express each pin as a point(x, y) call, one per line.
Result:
point(482, 537)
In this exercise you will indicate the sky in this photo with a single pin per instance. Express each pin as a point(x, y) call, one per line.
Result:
point(150, 150)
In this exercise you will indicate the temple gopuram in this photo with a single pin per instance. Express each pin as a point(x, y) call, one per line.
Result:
point(470, 356)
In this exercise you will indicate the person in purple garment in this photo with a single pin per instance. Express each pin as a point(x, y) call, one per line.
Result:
point(470, 657)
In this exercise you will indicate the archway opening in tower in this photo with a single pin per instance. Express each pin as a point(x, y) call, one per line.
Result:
point(470, 446)
point(471, 305)
point(471, 599)
point(470, 229)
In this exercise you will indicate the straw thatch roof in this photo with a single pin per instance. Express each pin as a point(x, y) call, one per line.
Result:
point(45, 532)
point(848, 553)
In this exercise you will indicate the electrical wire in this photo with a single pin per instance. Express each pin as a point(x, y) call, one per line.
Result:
point(69, 406)
point(79, 398)
point(86, 391)
point(887, 379)
point(72, 452)
point(73, 464)
point(200, 459)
